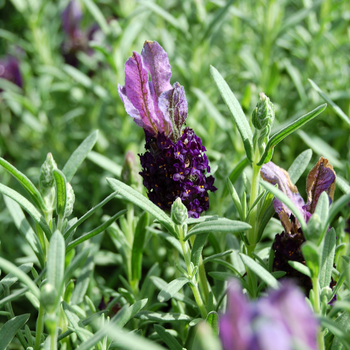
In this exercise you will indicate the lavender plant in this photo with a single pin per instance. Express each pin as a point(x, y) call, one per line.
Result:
point(152, 273)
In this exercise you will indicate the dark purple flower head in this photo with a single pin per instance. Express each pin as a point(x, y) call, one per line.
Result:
point(71, 18)
point(9, 70)
point(287, 244)
point(277, 321)
point(174, 164)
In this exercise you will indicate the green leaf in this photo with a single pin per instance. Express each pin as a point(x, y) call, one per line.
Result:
point(342, 184)
point(212, 320)
point(137, 247)
point(105, 163)
point(97, 14)
point(25, 182)
point(61, 192)
point(300, 267)
point(77, 261)
point(219, 225)
point(299, 165)
point(79, 155)
point(279, 136)
point(11, 268)
point(28, 207)
point(236, 111)
point(237, 171)
point(88, 214)
point(10, 279)
point(327, 259)
point(336, 108)
point(259, 271)
point(338, 331)
point(344, 322)
point(312, 257)
point(337, 206)
point(162, 317)
point(141, 201)
point(167, 338)
point(55, 261)
point(10, 328)
point(83, 281)
point(197, 248)
point(117, 322)
point(25, 229)
point(172, 288)
point(94, 232)
point(235, 198)
point(284, 199)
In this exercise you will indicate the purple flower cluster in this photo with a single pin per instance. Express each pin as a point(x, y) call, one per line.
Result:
point(174, 165)
point(277, 322)
point(9, 70)
point(287, 244)
point(172, 170)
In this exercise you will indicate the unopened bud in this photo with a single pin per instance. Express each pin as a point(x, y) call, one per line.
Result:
point(130, 171)
point(264, 113)
point(179, 212)
point(46, 179)
point(70, 200)
point(48, 297)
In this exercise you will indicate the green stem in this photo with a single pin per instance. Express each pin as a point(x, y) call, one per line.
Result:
point(203, 282)
point(253, 232)
point(39, 328)
point(317, 309)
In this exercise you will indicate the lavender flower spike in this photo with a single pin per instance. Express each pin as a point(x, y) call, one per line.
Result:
point(174, 165)
point(9, 70)
point(276, 322)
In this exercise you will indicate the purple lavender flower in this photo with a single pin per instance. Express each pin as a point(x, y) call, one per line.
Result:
point(9, 70)
point(174, 164)
point(287, 244)
point(276, 322)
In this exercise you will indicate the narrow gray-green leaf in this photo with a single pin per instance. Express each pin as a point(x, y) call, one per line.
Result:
point(235, 198)
point(77, 261)
point(167, 338)
point(236, 111)
point(105, 163)
point(25, 229)
point(55, 261)
point(344, 322)
point(94, 232)
point(197, 248)
point(25, 182)
point(279, 136)
point(212, 320)
point(10, 328)
point(141, 201)
point(284, 199)
point(172, 288)
point(327, 259)
point(11, 268)
point(312, 257)
point(300, 267)
point(88, 214)
point(337, 330)
point(10, 279)
point(342, 184)
point(336, 108)
point(299, 165)
point(28, 207)
point(61, 192)
point(162, 317)
point(97, 14)
point(337, 206)
point(137, 247)
point(259, 271)
point(79, 155)
point(220, 225)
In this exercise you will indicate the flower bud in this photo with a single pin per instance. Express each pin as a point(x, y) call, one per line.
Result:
point(264, 113)
point(130, 171)
point(48, 297)
point(46, 179)
point(70, 200)
point(179, 212)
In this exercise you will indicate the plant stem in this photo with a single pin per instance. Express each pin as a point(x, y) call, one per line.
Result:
point(317, 309)
point(252, 234)
point(39, 328)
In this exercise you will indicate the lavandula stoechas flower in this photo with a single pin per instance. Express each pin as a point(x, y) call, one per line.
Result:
point(287, 244)
point(276, 322)
point(174, 164)
point(9, 70)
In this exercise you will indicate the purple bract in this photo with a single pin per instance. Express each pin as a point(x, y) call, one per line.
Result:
point(275, 322)
point(9, 70)
point(174, 164)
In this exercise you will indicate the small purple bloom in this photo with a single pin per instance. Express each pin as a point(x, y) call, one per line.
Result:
point(71, 18)
point(287, 244)
point(9, 70)
point(174, 164)
point(277, 321)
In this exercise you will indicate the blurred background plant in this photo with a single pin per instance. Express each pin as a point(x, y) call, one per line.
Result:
point(61, 61)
